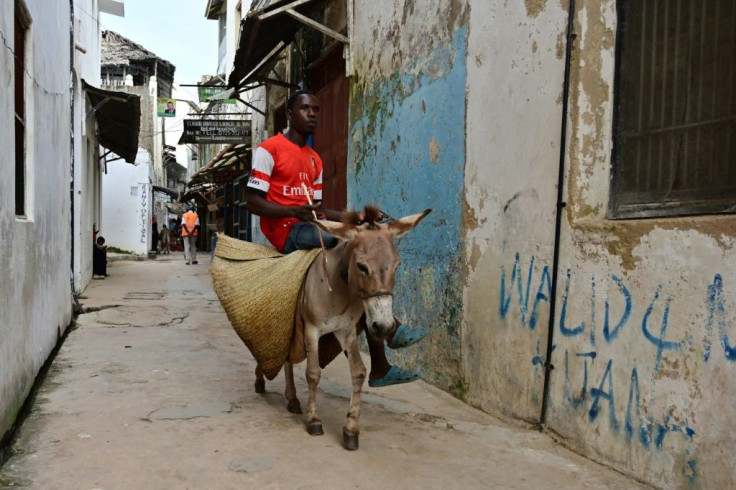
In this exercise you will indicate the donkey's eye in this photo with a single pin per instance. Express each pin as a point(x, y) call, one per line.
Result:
point(363, 269)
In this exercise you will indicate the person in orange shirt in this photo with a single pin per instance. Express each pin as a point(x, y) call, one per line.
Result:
point(189, 233)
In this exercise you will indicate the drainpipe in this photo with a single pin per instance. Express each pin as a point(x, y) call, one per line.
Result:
point(558, 218)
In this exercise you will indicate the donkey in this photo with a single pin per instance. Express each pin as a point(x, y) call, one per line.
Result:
point(357, 278)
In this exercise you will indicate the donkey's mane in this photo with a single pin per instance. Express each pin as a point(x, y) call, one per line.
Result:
point(372, 216)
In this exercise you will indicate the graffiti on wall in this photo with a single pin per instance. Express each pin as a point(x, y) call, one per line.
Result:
point(527, 288)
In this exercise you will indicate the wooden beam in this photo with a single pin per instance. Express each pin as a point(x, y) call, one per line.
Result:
point(260, 14)
point(325, 30)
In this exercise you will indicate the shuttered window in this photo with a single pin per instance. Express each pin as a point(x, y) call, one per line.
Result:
point(675, 118)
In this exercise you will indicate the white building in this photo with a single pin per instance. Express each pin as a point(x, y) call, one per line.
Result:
point(49, 152)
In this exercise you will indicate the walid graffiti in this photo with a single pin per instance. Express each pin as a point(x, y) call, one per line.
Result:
point(528, 290)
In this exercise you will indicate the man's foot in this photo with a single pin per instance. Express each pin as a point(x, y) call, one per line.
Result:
point(395, 376)
point(405, 336)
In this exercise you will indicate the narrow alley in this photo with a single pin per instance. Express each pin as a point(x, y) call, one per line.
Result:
point(152, 389)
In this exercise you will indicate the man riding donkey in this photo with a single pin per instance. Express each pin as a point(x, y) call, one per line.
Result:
point(282, 165)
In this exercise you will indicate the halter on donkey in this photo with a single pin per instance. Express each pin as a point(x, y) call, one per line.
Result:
point(361, 271)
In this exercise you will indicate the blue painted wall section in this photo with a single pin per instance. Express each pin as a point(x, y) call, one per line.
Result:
point(406, 154)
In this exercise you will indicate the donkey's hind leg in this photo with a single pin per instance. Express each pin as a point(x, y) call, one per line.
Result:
point(260, 384)
point(293, 406)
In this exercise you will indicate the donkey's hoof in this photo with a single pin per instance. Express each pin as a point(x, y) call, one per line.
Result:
point(315, 429)
point(350, 441)
point(260, 386)
point(294, 407)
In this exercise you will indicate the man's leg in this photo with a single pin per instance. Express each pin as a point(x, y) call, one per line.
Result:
point(186, 250)
point(382, 373)
point(193, 248)
point(304, 236)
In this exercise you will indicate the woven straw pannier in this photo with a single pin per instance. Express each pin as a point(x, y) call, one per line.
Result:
point(258, 289)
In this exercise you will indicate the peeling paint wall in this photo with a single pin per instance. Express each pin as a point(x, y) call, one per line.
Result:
point(515, 74)
point(35, 288)
point(644, 341)
point(457, 105)
point(407, 153)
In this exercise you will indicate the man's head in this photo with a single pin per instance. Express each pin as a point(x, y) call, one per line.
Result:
point(100, 240)
point(302, 109)
point(170, 105)
point(190, 208)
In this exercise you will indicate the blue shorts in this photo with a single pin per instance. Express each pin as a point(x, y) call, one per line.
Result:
point(303, 236)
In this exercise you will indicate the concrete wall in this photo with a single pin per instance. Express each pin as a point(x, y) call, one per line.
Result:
point(35, 289)
point(126, 216)
point(457, 105)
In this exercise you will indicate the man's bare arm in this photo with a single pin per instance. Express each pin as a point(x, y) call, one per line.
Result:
point(258, 205)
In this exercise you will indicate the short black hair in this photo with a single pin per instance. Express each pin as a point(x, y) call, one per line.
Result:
point(293, 97)
point(100, 240)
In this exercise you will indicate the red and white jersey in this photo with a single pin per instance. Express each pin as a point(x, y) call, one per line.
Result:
point(279, 169)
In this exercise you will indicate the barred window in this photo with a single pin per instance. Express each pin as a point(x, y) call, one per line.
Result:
point(675, 117)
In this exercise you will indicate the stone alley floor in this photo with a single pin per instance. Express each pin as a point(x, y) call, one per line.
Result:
point(154, 390)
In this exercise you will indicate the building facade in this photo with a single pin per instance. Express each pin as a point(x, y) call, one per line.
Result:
point(576, 272)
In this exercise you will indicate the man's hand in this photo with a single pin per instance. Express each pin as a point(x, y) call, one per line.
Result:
point(307, 212)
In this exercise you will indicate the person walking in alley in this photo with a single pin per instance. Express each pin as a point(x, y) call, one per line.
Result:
point(165, 236)
point(189, 233)
point(281, 165)
point(154, 235)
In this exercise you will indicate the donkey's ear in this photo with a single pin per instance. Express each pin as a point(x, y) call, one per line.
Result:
point(404, 225)
point(337, 229)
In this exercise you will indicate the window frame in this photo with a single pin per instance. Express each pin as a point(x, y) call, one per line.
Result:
point(686, 202)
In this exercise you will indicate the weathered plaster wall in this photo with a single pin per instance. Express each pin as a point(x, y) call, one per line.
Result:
point(459, 107)
point(644, 345)
point(515, 75)
point(407, 153)
point(35, 288)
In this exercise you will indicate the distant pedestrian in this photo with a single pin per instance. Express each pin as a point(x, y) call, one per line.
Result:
point(154, 235)
point(99, 259)
point(189, 233)
point(165, 236)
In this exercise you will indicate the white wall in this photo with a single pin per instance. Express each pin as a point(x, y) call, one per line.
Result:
point(35, 289)
point(126, 216)
point(87, 175)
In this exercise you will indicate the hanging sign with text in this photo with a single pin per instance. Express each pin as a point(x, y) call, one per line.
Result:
point(206, 131)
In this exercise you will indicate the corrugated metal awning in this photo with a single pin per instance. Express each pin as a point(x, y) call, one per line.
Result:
point(118, 116)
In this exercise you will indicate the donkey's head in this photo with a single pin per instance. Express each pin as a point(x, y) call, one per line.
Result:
point(370, 260)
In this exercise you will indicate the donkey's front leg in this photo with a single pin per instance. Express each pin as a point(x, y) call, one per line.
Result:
point(357, 373)
point(311, 341)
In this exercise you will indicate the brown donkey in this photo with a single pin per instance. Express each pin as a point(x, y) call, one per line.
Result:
point(360, 271)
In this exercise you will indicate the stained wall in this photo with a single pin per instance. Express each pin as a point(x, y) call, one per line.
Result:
point(458, 106)
point(35, 288)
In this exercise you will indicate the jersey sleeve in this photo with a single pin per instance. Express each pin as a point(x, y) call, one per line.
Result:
point(261, 169)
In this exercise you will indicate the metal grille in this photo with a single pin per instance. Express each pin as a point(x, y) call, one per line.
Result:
point(675, 123)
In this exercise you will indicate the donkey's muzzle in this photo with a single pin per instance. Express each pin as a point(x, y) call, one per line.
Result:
point(379, 314)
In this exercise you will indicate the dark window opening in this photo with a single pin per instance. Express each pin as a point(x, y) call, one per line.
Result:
point(675, 117)
point(20, 35)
